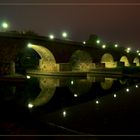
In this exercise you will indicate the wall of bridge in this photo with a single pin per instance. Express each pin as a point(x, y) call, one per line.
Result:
point(67, 55)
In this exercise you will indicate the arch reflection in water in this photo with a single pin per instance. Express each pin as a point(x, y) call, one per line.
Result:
point(123, 81)
point(48, 87)
point(107, 84)
point(80, 86)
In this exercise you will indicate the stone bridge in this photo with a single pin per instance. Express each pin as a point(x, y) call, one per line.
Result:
point(53, 55)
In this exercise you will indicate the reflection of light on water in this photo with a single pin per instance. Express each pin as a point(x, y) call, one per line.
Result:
point(114, 95)
point(79, 87)
point(127, 90)
point(123, 82)
point(136, 86)
point(64, 113)
point(72, 82)
point(30, 105)
point(107, 84)
point(75, 95)
point(97, 102)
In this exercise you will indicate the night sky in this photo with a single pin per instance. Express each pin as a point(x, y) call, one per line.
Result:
point(111, 20)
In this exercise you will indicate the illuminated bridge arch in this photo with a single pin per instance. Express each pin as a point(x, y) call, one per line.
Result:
point(81, 61)
point(124, 59)
point(136, 61)
point(107, 58)
point(47, 61)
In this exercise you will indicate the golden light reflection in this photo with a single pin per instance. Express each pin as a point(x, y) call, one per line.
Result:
point(123, 82)
point(48, 87)
point(107, 84)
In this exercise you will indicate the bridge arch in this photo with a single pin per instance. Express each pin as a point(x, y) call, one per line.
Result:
point(136, 61)
point(124, 59)
point(81, 61)
point(47, 61)
point(108, 59)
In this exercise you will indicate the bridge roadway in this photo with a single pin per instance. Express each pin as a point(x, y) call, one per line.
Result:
point(21, 50)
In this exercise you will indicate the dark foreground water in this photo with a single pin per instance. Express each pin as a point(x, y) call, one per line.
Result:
point(70, 106)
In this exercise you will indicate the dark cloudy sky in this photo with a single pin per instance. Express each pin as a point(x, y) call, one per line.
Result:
point(112, 20)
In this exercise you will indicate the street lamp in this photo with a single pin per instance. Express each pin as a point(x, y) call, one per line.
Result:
point(4, 25)
point(98, 41)
point(51, 36)
point(64, 34)
point(128, 49)
point(104, 46)
point(29, 45)
point(84, 42)
point(116, 45)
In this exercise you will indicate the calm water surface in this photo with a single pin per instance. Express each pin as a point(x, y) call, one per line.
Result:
point(74, 106)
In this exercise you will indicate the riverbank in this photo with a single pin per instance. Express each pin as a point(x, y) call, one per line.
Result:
point(117, 72)
point(14, 78)
point(63, 73)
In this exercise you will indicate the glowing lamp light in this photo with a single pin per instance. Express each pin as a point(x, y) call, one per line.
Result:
point(64, 34)
point(138, 51)
point(30, 105)
point(103, 46)
point(28, 77)
point(97, 102)
point(139, 54)
point(114, 95)
point(51, 36)
point(137, 86)
point(5, 25)
point(75, 95)
point(84, 42)
point(98, 41)
point(29, 45)
point(116, 45)
point(128, 50)
point(127, 90)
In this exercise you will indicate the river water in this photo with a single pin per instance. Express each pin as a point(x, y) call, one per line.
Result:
point(70, 106)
